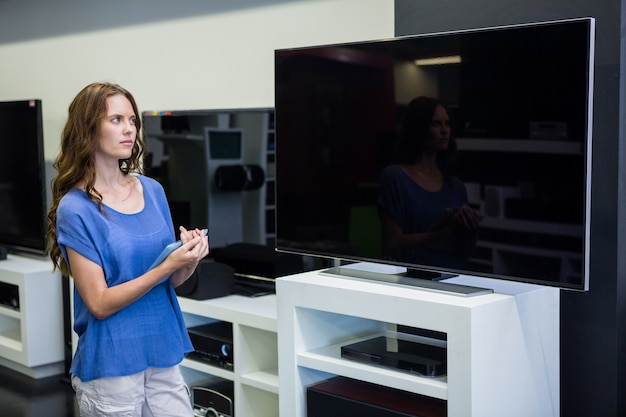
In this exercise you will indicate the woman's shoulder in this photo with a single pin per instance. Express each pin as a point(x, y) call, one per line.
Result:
point(456, 182)
point(392, 170)
point(150, 184)
point(75, 204)
point(148, 181)
point(74, 199)
point(152, 188)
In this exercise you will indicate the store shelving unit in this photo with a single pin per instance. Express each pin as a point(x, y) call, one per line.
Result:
point(31, 337)
point(502, 348)
point(255, 349)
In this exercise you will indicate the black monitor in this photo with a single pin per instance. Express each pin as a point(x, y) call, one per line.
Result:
point(22, 177)
point(519, 99)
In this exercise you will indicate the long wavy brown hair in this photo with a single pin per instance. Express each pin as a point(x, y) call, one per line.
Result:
point(75, 164)
point(416, 129)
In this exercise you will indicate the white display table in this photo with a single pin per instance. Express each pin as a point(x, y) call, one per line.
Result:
point(502, 348)
point(31, 338)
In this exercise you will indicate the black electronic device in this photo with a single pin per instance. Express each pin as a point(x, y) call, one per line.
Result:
point(520, 104)
point(213, 398)
point(254, 260)
point(399, 353)
point(23, 186)
point(257, 266)
point(341, 396)
point(209, 280)
point(10, 296)
point(213, 343)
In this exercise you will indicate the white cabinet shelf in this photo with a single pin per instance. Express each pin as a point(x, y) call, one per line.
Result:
point(502, 348)
point(9, 312)
point(328, 359)
point(11, 339)
point(255, 349)
point(31, 338)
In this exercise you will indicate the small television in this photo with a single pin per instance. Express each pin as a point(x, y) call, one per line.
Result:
point(519, 100)
point(23, 201)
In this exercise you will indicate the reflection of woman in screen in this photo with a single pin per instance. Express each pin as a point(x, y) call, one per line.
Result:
point(424, 213)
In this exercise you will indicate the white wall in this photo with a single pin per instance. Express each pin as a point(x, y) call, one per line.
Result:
point(221, 58)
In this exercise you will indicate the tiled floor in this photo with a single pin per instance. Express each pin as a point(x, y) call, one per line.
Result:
point(21, 396)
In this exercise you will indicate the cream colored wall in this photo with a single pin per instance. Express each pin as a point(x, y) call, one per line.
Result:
point(213, 61)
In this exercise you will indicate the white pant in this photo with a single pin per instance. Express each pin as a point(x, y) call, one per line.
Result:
point(155, 392)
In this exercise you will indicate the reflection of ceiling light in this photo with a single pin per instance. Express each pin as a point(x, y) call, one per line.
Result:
point(454, 59)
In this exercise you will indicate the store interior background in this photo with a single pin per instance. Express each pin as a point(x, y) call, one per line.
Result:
point(194, 54)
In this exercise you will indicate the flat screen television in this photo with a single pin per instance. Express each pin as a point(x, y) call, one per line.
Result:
point(519, 103)
point(23, 201)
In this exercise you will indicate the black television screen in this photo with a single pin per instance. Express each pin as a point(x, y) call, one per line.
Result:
point(22, 177)
point(518, 104)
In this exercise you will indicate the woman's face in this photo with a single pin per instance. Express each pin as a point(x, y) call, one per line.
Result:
point(118, 129)
point(439, 130)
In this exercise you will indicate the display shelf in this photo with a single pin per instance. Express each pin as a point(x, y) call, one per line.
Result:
point(11, 339)
point(208, 369)
point(495, 342)
point(9, 312)
point(259, 357)
point(263, 380)
point(255, 348)
point(255, 312)
point(258, 403)
point(10, 330)
point(328, 359)
point(31, 337)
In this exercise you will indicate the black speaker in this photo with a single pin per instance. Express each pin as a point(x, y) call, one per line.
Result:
point(10, 296)
point(213, 399)
point(255, 177)
point(341, 396)
point(239, 177)
point(209, 280)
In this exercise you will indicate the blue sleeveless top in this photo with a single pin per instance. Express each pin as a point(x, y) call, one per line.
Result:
point(151, 331)
point(415, 210)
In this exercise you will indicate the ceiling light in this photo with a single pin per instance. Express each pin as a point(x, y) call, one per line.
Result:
point(453, 59)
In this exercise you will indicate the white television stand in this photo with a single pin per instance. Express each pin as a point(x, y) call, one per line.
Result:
point(31, 338)
point(502, 348)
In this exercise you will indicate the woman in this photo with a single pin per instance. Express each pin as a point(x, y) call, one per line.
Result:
point(108, 223)
point(425, 216)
